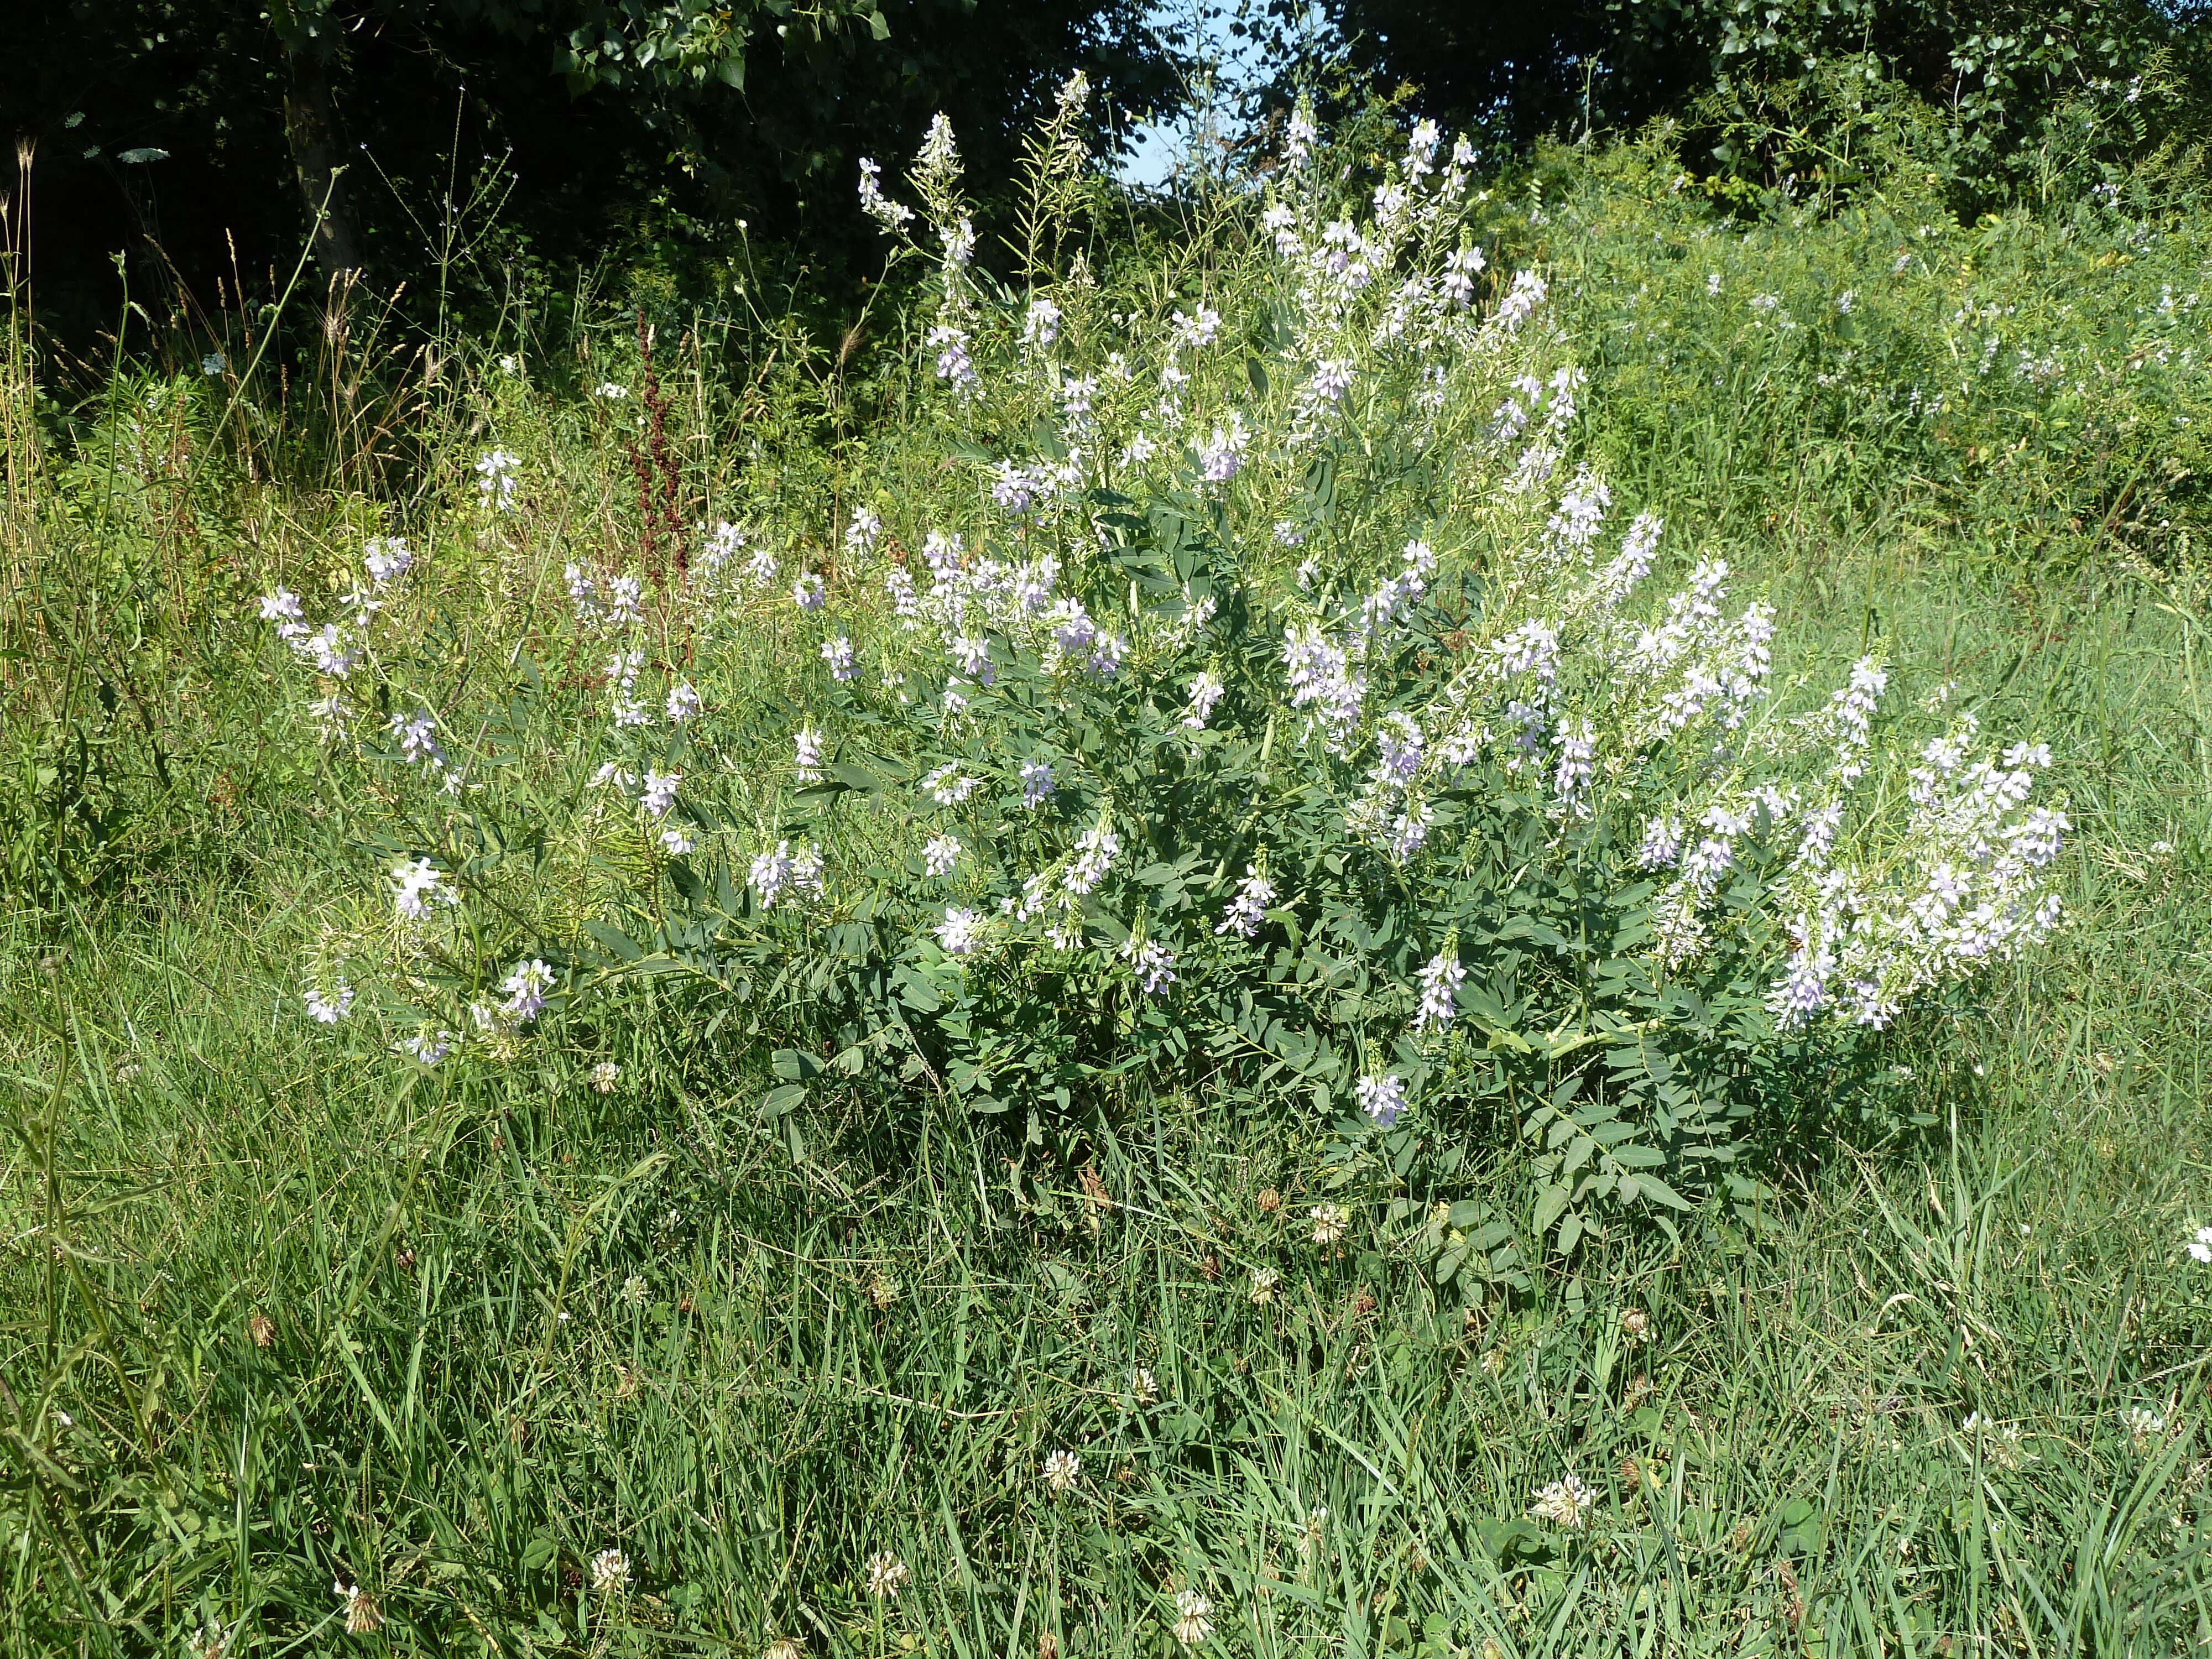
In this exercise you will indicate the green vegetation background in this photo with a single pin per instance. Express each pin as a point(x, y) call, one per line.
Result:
point(267, 1319)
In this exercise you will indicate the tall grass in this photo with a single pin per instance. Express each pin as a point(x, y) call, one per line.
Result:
point(272, 1319)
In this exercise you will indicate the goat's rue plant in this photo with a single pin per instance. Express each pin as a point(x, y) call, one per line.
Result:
point(1267, 707)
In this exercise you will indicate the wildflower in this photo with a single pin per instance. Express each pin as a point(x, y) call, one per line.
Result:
point(610, 392)
point(838, 654)
point(1191, 1624)
point(1330, 1224)
point(883, 1289)
point(526, 989)
point(603, 1075)
point(771, 872)
point(1155, 965)
point(1198, 331)
point(761, 568)
point(1223, 456)
point(1564, 1504)
point(946, 787)
point(1041, 326)
point(806, 755)
point(282, 608)
point(660, 792)
point(866, 525)
point(808, 592)
point(634, 1290)
point(418, 737)
point(1035, 776)
point(953, 362)
point(939, 854)
point(683, 703)
point(609, 1572)
point(496, 469)
point(1440, 983)
point(427, 1047)
point(213, 363)
point(1382, 1097)
point(209, 1641)
point(417, 887)
point(1636, 1323)
point(891, 216)
point(2143, 1426)
point(386, 560)
point(961, 931)
point(1144, 1385)
point(361, 1617)
point(886, 1574)
point(1205, 691)
point(1244, 913)
point(1061, 1470)
point(1264, 1281)
point(329, 1008)
point(2200, 1246)
point(1094, 855)
point(785, 1647)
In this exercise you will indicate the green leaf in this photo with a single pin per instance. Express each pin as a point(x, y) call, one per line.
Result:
point(784, 1098)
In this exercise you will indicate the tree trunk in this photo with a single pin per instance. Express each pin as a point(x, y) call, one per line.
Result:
point(312, 126)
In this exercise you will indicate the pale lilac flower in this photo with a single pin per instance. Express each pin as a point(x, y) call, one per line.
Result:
point(1198, 331)
point(946, 787)
point(953, 362)
point(1382, 1097)
point(386, 560)
point(418, 737)
point(1037, 782)
point(1249, 908)
point(806, 755)
point(761, 569)
point(1153, 962)
point(860, 534)
point(1223, 455)
point(683, 703)
point(418, 885)
point(1041, 326)
point(891, 216)
point(1094, 855)
point(625, 600)
point(1205, 691)
point(329, 1007)
point(770, 874)
point(427, 1047)
point(939, 854)
point(1440, 983)
point(526, 989)
point(809, 593)
point(961, 931)
point(677, 841)
point(330, 651)
point(838, 654)
point(496, 469)
point(660, 792)
point(282, 608)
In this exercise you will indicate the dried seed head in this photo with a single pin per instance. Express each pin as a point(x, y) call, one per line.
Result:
point(262, 1329)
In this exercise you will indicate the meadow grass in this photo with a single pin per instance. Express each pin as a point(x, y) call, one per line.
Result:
point(273, 1319)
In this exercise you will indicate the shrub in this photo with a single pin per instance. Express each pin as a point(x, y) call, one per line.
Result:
point(1234, 687)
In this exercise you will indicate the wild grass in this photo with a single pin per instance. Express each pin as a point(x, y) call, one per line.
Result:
point(268, 1319)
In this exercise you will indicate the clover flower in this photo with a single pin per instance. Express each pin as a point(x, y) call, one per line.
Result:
point(2143, 1425)
point(361, 1616)
point(1061, 1470)
point(1192, 1623)
point(2200, 1246)
point(1264, 1281)
point(603, 1075)
point(1331, 1222)
point(609, 1572)
point(887, 1574)
point(1566, 1503)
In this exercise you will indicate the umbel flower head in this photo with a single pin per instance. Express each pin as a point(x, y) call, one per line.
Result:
point(887, 1575)
point(609, 1571)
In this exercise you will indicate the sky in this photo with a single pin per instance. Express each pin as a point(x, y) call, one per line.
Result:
point(1161, 146)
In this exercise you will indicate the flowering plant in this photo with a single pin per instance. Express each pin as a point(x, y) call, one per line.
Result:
point(1269, 709)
